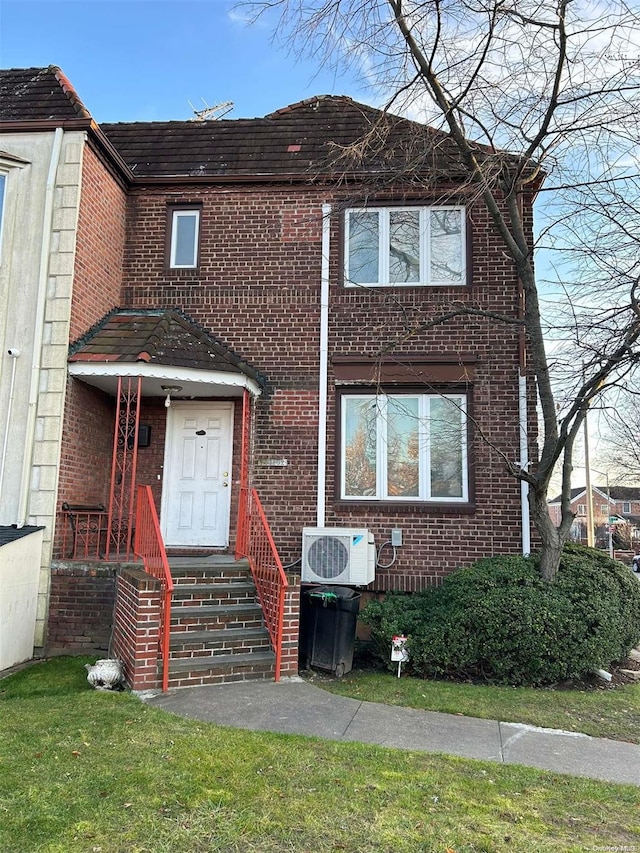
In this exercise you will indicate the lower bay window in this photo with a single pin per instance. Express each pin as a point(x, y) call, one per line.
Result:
point(404, 447)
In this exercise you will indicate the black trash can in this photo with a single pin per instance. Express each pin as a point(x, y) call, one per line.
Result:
point(328, 628)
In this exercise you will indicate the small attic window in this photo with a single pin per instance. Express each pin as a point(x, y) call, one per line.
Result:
point(185, 230)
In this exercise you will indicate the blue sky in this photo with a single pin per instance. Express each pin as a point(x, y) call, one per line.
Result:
point(144, 60)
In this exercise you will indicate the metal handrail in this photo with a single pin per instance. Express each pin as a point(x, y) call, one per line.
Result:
point(255, 542)
point(149, 547)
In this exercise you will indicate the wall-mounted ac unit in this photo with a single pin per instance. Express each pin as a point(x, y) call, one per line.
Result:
point(338, 555)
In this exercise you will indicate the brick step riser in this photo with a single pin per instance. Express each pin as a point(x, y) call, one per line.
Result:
point(219, 623)
point(233, 600)
point(196, 679)
point(220, 647)
point(212, 578)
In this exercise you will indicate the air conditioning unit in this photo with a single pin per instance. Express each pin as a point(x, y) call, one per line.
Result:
point(338, 555)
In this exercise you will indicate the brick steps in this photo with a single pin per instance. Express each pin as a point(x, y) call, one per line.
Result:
point(217, 632)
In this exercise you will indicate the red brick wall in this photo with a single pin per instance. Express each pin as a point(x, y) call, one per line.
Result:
point(100, 245)
point(257, 289)
point(87, 442)
point(136, 627)
point(81, 608)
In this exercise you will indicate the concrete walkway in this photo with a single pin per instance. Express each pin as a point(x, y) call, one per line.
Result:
point(295, 707)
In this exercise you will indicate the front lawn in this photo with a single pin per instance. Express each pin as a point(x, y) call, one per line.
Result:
point(83, 771)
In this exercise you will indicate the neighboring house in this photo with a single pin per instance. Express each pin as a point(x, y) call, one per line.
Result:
point(261, 322)
point(46, 156)
point(617, 505)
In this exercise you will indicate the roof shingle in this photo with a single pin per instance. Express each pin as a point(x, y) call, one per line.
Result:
point(38, 94)
point(157, 336)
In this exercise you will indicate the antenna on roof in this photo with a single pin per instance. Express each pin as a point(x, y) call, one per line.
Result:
point(217, 111)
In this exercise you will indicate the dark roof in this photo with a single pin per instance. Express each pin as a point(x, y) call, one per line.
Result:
point(327, 135)
point(38, 94)
point(618, 493)
point(308, 138)
point(11, 533)
point(157, 336)
point(623, 493)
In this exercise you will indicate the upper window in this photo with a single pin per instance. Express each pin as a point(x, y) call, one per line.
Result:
point(185, 226)
point(626, 507)
point(405, 246)
point(582, 509)
point(404, 447)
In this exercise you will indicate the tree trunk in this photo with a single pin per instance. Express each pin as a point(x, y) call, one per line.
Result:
point(551, 537)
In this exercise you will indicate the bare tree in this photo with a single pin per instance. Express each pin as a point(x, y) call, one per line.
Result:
point(621, 447)
point(557, 86)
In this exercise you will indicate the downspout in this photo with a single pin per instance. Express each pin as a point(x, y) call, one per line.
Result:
point(38, 328)
point(524, 463)
point(323, 371)
point(523, 432)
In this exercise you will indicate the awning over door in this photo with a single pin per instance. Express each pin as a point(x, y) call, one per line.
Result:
point(166, 348)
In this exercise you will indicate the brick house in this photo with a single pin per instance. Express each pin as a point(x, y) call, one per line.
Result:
point(621, 503)
point(252, 310)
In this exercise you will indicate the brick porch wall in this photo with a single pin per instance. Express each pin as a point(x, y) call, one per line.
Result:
point(291, 628)
point(82, 598)
point(137, 623)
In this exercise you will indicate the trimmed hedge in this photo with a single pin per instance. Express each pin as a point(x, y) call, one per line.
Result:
point(499, 621)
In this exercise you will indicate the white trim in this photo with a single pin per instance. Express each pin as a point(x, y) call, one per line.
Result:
point(184, 213)
point(384, 214)
point(424, 458)
point(157, 373)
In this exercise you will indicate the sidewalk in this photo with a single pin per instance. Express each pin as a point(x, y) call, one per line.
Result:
point(296, 707)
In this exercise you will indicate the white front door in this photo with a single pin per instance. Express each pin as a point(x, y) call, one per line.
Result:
point(196, 492)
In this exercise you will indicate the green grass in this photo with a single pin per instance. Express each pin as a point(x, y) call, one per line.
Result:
point(612, 713)
point(83, 771)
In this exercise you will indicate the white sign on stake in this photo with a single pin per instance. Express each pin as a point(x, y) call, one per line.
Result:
point(398, 651)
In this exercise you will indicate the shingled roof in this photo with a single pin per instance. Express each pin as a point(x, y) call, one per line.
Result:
point(308, 138)
point(38, 94)
point(157, 336)
point(327, 136)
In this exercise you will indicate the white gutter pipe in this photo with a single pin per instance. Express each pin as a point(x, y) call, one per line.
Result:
point(38, 328)
point(323, 371)
point(524, 464)
point(14, 354)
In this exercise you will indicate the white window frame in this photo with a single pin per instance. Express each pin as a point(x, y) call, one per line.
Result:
point(424, 463)
point(384, 215)
point(582, 509)
point(176, 215)
point(626, 507)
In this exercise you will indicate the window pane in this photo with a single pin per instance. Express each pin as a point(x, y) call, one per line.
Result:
point(184, 239)
point(403, 447)
point(446, 245)
point(363, 248)
point(360, 446)
point(446, 443)
point(404, 246)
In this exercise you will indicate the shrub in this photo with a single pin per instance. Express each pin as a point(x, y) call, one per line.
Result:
point(499, 620)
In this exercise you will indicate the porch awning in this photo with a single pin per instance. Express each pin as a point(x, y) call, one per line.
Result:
point(166, 348)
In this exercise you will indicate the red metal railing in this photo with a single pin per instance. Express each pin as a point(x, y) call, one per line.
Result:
point(149, 547)
point(255, 542)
